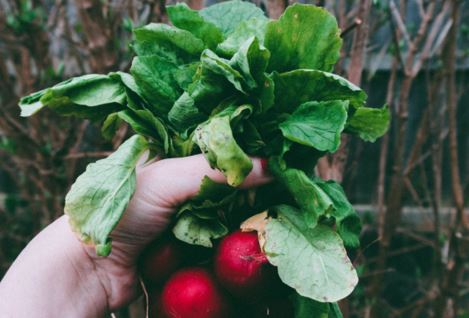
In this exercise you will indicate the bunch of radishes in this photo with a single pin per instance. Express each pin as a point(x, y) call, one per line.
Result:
point(237, 281)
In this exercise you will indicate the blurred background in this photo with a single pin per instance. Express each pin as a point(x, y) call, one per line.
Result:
point(409, 187)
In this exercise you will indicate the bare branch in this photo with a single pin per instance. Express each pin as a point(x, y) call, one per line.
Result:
point(399, 21)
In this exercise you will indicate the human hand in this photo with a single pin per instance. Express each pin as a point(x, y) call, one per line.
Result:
point(161, 187)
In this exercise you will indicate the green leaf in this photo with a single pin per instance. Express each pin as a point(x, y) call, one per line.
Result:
point(305, 36)
point(209, 89)
point(307, 307)
point(221, 66)
point(185, 18)
point(369, 123)
point(228, 15)
point(347, 220)
point(31, 104)
point(251, 61)
point(184, 75)
point(185, 115)
point(215, 139)
point(317, 124)
point(300, 86)
point(213, 191)
point(267, 94)
point(312, 261)
point(342, 207)
point(143, 122)
point(127, 80)
point(155, 79)
point(349, 229)
point(91, 96)
point(246, 29)
point(110, 126)
point(169, 43)
point(308, 196)
point(193, 230)
point(212, 198)
point(251, 138)
point(99, 196)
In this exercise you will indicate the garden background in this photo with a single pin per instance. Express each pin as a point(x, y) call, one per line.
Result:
point(409, 187)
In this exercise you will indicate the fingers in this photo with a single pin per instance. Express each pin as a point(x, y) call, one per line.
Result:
point(177, 180)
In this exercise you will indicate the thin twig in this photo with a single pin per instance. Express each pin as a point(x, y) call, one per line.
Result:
point(91, 154)
point(351, 27)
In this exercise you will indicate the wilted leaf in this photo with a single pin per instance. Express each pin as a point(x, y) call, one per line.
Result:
point(216, 141)
point(99, 196)
point(196, 231)
point(256, 223)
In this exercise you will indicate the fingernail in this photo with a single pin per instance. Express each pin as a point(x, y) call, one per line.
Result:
point(265, 164)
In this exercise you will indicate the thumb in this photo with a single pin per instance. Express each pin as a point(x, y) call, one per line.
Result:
point(176, 180)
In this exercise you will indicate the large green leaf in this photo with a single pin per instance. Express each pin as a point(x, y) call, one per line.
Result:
point(155, 79)
point(99, 196)
point(312, 261)
point(300, 86)
point(304, 37)
point(369, 123)
point(169, 43)
point(193, 230)
point(228, 15)
point(253, 27)
point(185, 18)
point(91, 96)
point(215, 139)
point(317, 124)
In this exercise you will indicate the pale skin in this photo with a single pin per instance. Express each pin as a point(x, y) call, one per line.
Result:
point(58, 276)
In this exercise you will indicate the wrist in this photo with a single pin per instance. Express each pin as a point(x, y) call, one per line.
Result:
point(54, 277)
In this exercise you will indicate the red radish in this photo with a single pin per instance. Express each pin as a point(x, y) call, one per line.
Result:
point(242, 268)
point(160, 260)
point(193, 293)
